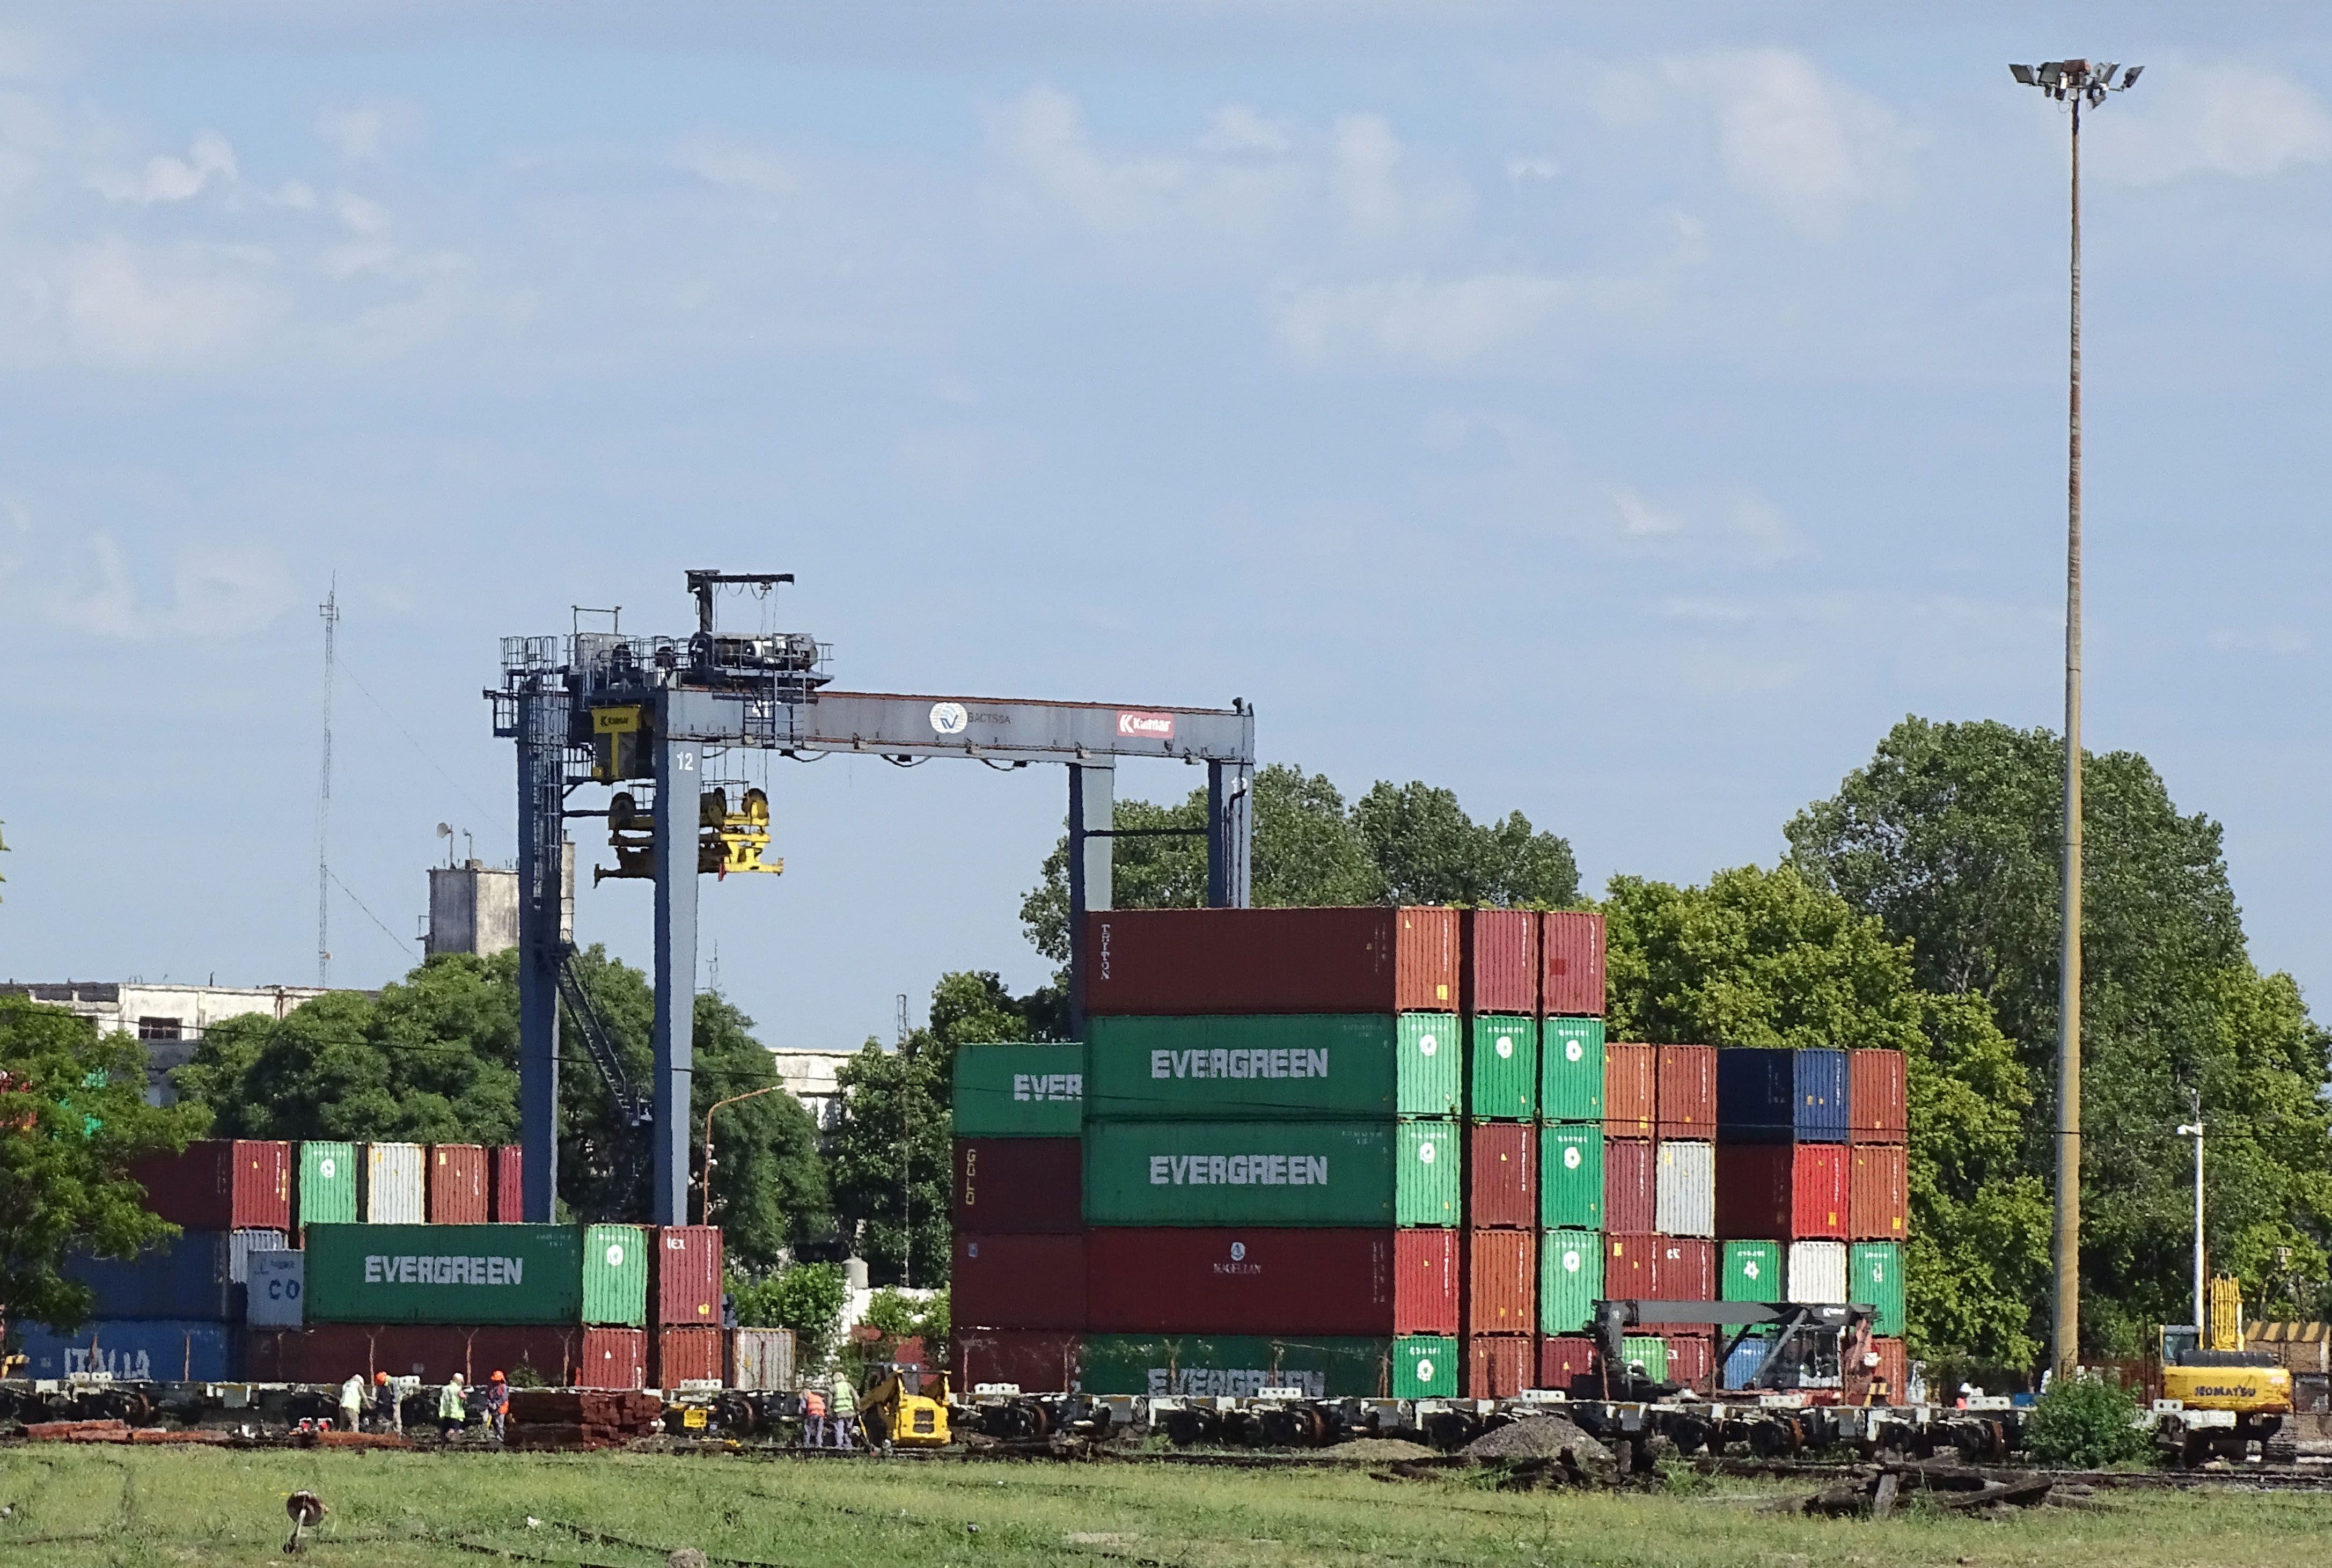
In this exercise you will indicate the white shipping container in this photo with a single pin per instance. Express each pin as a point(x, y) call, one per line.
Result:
point(275, 1286)
point(1685, 1190)
point(764, 1359)
point(242, 1244)
point(395, 1185)
point(1818, 1271)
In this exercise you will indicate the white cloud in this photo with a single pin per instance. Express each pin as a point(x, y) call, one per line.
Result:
point(1795, 137)
point(2228, 120)
point(731, 163)
point(166, 179)
point(2284, 641)
point(1436, 323)
point(1736, 527)
point(1639, 519)
point(136, 307)
point(215, 591)
point(1236, 128)
point(1532, 170)
point(26, 133)
point(1366, 173)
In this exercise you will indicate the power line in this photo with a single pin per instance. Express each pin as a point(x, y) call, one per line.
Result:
point(485, 812)
point(368, 914)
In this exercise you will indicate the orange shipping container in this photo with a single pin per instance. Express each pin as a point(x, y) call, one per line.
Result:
point(1501, 960)
point(1570, 964)
point(1878, 1192)
point(1498, 1365)
point(1875, 1098)
point(458, 1184)
point(1630, 1090)
point(1687, 1109)
point(687, 1356)
point(1501, 1286)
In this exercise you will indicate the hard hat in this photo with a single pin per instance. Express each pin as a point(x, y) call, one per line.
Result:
point(496, 1378)
point(381, 1377)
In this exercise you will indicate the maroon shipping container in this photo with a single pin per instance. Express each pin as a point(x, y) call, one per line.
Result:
point(1878, 1192)
point(548, 1352)
point(1875, 1103)
point(1498, 1366)
point(1501, 960)
point(330, 1352)
point(1019, 1185)
point(1627, 1267)
point(1818, 1198)
point(1895, 1366)
point(1687, 1093)
point(686, 1289)
point(1567, 1363)
point(1502, 1175)
point(220, 1184)
point(506, 1184)
point(1176, 1280)
point(688, 1355)
point(1501, 1291)
point(1631, 1178)
point(1692, 1361)
point(458, 1184)
point(1019, 1281)
point(1631, 1078)
point(1684, 1269)
point(1753, 1182)
point(1034, 1361)
point(612, 1358)
point(1272, 960)
point(1570, 964)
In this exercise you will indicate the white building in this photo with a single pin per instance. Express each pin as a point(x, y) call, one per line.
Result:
point(809, 1076)
point(170, 1019)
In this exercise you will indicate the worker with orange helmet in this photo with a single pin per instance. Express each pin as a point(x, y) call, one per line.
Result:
point(388, 1405)
point(498, 1404)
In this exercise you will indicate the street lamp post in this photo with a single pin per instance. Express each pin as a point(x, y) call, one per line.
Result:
point(2194, 1130)
point(748, 1095)
point(2071, 81)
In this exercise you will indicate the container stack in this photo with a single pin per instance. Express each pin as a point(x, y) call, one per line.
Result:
point(1595, 1109)
point(1499, 1290)
point(1017, 1282)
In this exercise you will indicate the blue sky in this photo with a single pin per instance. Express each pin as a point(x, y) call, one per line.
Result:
point(1622, 414)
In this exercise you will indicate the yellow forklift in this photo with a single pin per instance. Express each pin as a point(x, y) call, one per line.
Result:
point(905, 1406)
point(2218, 1398)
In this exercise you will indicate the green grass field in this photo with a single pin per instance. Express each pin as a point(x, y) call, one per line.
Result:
point(79, 1505)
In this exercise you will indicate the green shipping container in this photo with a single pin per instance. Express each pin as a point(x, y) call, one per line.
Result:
point(1570, 1069)
point(443, 1274)
point(615, 1275)
point(1019, 1091)
point(328, 1185)
point(1425, 1367)
point(1753, 1271)
point(1569, 1280)
point(1216, 1366)
point(1296, 1066)
point(1874, 1277)
point(1300, 1173)
point(1570, 1178)
point(1649, 1351)
point(1502, 1069)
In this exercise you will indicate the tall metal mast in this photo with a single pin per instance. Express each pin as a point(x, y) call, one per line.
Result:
point(331, 611)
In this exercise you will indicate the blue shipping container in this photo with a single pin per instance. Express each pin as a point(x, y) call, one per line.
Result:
point(1743, 1364)
point(162, 1352)
point(1821, 1108)
point(1755, 1089)
point(190, 1277)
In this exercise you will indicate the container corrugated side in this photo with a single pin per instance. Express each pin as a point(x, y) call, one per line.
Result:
point(1501, 1289)
point(1818, 1190)
point(1034, 1360)
point(615, 1275)
point(396, 1184)
point(1630, 1089)
point(189, 1275)
point(401, 1273)
point(1499, 1366)
point(682, 1354)
point(329, 1184)
point(1755, 1191)
point(1687, 1109)
point(1501, 960)
point(1631, 1185)
point(1741, 1366)
point(1374, 960)
point(1684, 1199)
point(1271, 1066)
point(1627, 1265)
point(1171, 1281)
point(1755, 1090)
point(272, 1295)
point(1570, 1069)
point(506, 1178)
point(1570, 964)
point(1018, 1184)
point(1571, 1177)
point(685, 1275)
point(220, 1184)
point(1502, 1060)
point(1692, 1361)
point(1028, 1281)
point(1218, 1173)
point(612, 1358)
point(327, 1353)
point(1569, 1280)
point(1874, 1279)
point(1648, 1353)
point(763, 1359)
point(1822, 1113)
point(1895, 1367)
point(1876, 1096)
point(242, 1244)
point(1567, 1363)
point(1818, 1271)
point(1425, 1366)
point(1019, 1091)
point(1325, 1367)
point(458, 1184)
point(1502, 1175)
point(1684, 1269)
point(139, 1351)
point(1753, 1271)
point(1878, 1192)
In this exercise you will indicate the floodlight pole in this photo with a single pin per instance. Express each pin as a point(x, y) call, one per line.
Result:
point(2194, 1130)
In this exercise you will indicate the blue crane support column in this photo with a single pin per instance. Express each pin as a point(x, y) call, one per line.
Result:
point(541, 864)
point(679, 780)
point(1093, 819)
point(1230, 833)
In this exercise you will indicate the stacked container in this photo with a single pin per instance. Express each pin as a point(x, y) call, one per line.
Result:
point(1590, 1148)
point(1017, 1279)
point(683, 1306)
point(1498, 1288)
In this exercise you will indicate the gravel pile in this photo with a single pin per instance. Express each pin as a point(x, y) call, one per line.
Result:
point(1379, 1450)
point(1545, 1437)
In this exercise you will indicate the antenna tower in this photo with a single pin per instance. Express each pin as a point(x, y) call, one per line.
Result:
point(331, 611)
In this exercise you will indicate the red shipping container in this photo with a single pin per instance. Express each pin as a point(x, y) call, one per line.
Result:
point(688, 1355)
point(1878, 1192)
point(1019, 1185)
point(458, 1184)
point(330, 1352)
point(1501, 960)
point(1817, 1197)
point(1631, 1077)
point(1019, 1281)
point(1272, 960)
point(1498, 1366)
point(1692, 1361)
point(1687, 1109)
point(1033, 1361)
point(1631, 1182)
point(1502, 1175)
point(612, 1358)
point(1501, 1291)
point(687, 1290)
point(1627, 1267)
point(1567, 1363)
point(220, 1184)
point(1684, 1269)
point(1877, 1108)
point(548, 1352)
point(1895, 1366)
point(1570, 964)
point(1754, 1183)
point(1339, 1281)
point(506, 1184)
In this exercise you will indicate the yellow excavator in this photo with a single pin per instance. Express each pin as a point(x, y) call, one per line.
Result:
point(2218, 1398)
point(905, 1406)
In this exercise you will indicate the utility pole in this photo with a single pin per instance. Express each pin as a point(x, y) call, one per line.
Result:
point(2071, 81)
point(331, 611)
point(2194, 1130)
point(906, 1161)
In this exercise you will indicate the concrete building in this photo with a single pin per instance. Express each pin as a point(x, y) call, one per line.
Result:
point(809, 1076)
point(170, 1019)
point(474, 908)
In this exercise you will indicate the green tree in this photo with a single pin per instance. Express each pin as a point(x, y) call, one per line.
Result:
point(807, 1297)
point(892, 1156)
point(74, 1120)
point(1427, 850)
point(1950, 836)
point(1763, 958)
